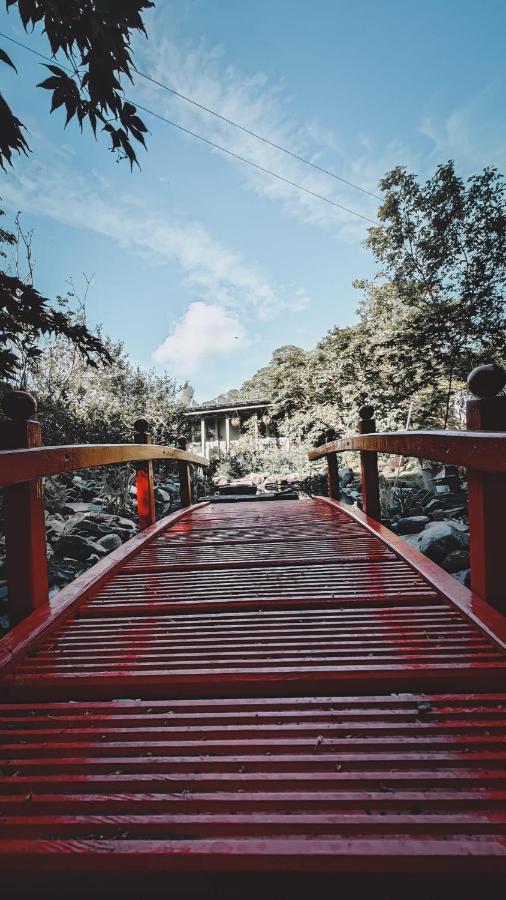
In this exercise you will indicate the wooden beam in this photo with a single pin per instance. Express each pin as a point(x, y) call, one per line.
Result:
point(17, 466)
point(485, 451)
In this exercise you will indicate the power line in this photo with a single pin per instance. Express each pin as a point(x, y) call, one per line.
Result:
point(210, 143)
point(250, 162)
point(254, 134)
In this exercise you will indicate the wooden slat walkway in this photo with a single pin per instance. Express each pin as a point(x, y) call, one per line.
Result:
point(260, 688)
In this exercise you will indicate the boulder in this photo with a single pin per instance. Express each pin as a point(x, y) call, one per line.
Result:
point(76, 547)
point(110, 542)
point(437, 540)
point(346, 475)
point(411, 524)
point(456, 561)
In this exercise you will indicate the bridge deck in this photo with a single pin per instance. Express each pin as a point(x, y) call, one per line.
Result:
point(259, 688)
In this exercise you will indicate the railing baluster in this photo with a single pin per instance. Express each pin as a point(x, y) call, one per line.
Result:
point(369, 466)
point(487, 490)
point(25, 532)
point(333, 489)
point(144, 479)
point(185, 481)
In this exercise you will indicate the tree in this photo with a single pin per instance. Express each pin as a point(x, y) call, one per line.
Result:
point(94, 36)
point(26, 317)
point(442, 245)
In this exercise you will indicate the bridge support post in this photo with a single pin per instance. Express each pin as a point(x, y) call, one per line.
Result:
point(144, 479)
point(487, 490)
point(332, 467)
point(369, 466)
point(185, 481)
point(25, 531)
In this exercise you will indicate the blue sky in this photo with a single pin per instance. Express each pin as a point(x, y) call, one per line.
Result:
point(203, 266)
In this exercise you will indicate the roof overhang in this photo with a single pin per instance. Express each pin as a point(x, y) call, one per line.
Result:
point(237, 407)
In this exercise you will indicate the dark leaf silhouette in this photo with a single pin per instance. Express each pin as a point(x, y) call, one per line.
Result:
point(94, 36)
point(4, 57)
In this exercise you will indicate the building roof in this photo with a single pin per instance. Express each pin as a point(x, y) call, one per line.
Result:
point(226, 407)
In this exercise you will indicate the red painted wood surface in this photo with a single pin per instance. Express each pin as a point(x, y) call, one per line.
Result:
point(485, 451)
point(369, 474)
point(314, 700)
point(486, 507)
point(145, 486)
point(333, 476)
point(24, 527)
point(24, 465)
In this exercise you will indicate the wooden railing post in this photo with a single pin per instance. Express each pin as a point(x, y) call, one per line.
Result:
point(487, 490)
point(332, 467)
point(144, 479)
point(369, 466)
point(185, 481)
point(25, 531)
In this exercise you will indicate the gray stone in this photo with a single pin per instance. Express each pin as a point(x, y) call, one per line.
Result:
point(76, 547)
point(437, 540)
point(110, 542)
point(346, 475)
point(456, 561)
point(126, 523)
point(411, 524)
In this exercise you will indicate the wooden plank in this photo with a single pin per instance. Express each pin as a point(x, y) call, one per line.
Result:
point(489, 620)
point(21, 638)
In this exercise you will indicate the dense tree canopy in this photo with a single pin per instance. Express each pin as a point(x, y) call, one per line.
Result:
point(94, 36)
point(435, 310)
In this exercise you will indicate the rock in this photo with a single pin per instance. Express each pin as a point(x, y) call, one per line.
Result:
point(460, 530)
point(76, 547)
point(437, 540)
point(464, 577)
point(346, 475)
point(110, 542)
point(456, 561)
point(411, 524)
point(81, 507)
point(126, 523)
point(162, 496)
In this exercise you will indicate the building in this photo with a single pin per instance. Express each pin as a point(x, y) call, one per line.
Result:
point(215, 427)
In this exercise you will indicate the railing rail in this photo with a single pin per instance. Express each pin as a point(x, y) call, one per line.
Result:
point(484, 451)
point(17, 466)
point(481, 449)
point(23, 465)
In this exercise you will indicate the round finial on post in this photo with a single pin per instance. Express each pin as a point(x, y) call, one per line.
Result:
point(366, 411)
point(181, 442)
point(486, 380)
point(141, 426)
point(19, 405)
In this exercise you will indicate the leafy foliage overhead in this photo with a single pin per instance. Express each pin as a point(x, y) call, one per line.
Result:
point(94, 36)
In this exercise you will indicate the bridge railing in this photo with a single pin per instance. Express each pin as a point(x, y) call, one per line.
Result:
point(481, 449)
point(23, 465)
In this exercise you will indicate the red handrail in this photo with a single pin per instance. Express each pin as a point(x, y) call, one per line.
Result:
point(481, 449)
point(23, 464)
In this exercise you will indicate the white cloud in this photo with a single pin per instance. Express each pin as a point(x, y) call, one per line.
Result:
point(221, 274)
point(201, 72)
point(205, 333)
point(472, 133)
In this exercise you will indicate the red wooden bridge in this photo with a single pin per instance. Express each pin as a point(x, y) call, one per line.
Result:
point(275, 697)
